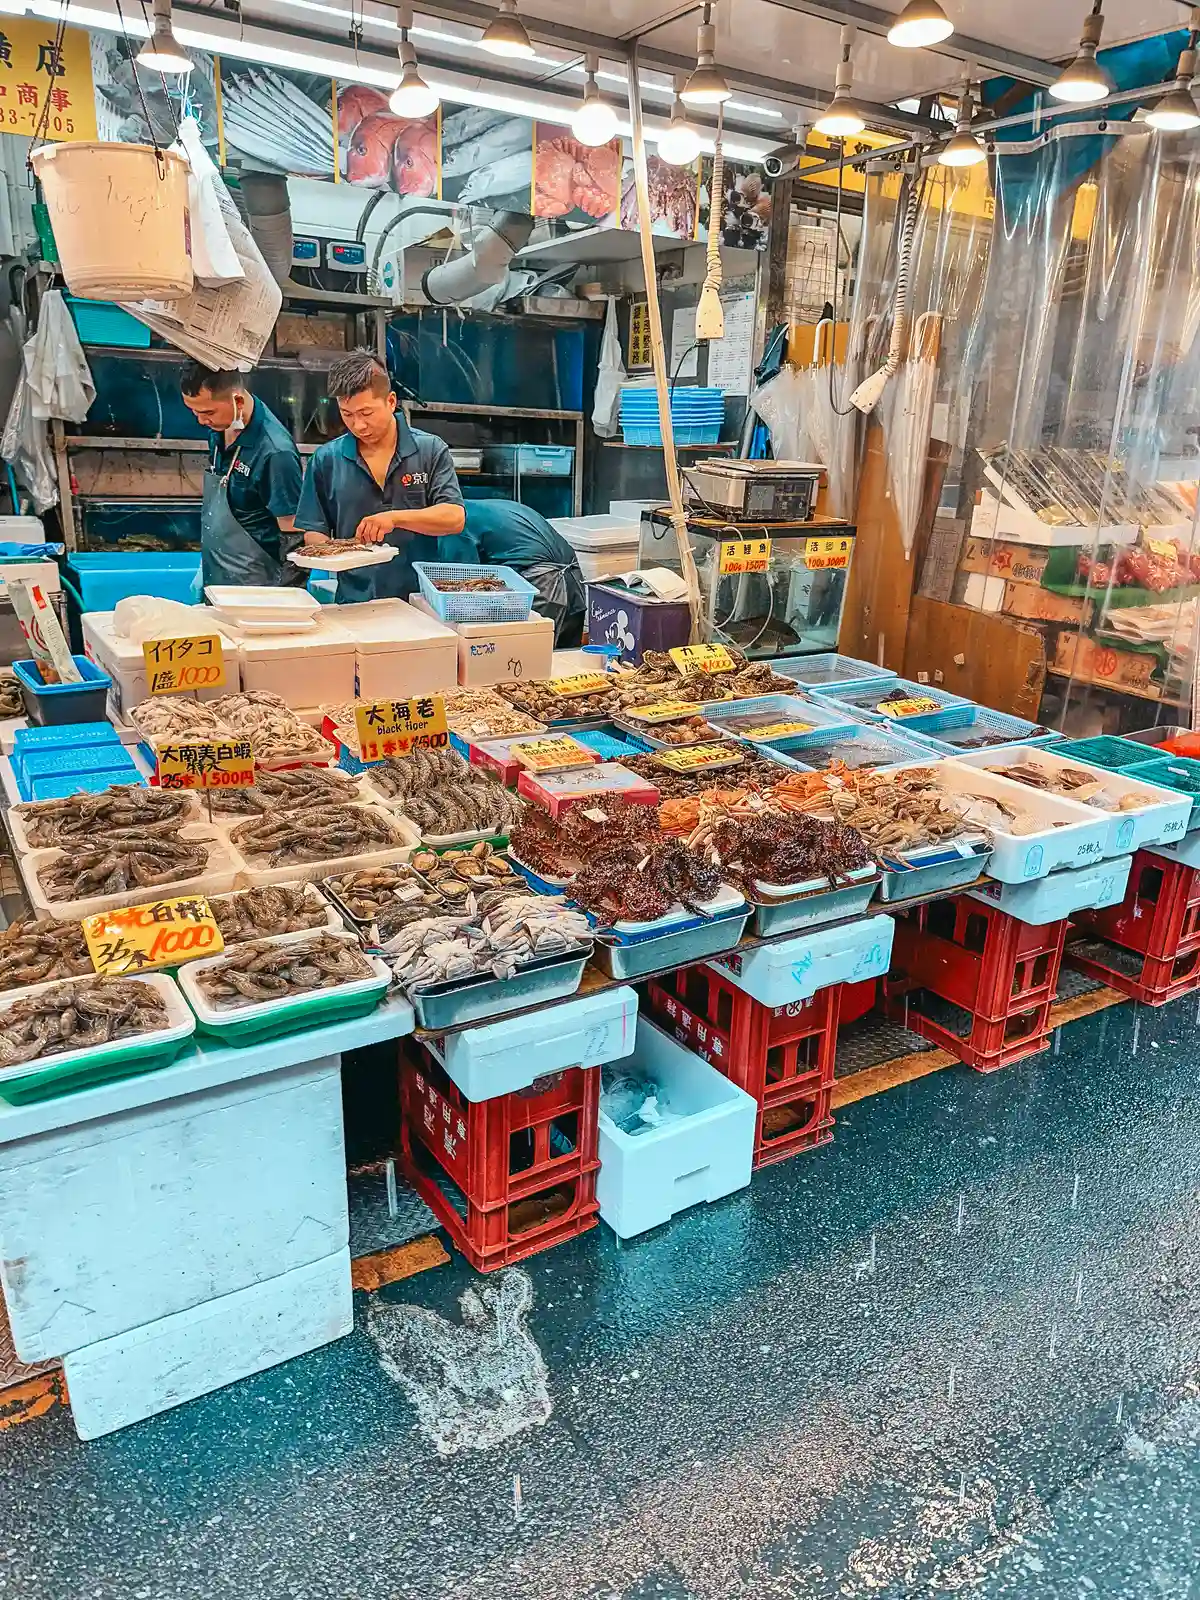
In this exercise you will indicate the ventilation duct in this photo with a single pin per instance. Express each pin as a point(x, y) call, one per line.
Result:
point(269, 217)
point(484, 266)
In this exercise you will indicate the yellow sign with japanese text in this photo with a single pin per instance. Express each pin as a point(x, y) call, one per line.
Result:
point(163, 933)
point(703, 658)
point(698, 757)
point(174, 665)
point(580, 683)
point(398, 727)
point(910, 706)
point(744, 555)
point(210, 764)
point(552, 755)
point(823, 555)
point(37, 79)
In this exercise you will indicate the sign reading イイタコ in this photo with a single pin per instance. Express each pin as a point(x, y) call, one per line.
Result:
point(398, 727)
point(174, 665)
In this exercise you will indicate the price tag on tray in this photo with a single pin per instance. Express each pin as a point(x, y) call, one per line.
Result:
point(552, 755)
point(698, 758)
point(660, 711)
point(211, 764)
point(827, 555)
point(163, 933)
point(773, 730)
point(703, 658)
point(580, 683)
point(914, 706)
point(398, 727)
point(744, 555)
point(175, 665)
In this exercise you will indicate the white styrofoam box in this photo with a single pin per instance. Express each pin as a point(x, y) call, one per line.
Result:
point(1071, 835)
point(313, 668)
point(398, 650)
point(984, 593)
point(150, 1369)
point(793, 969)
point(43, 573)
point(499, 1057)
point(598, 533)
point(252, 876)
point(125, 664)
point(632, 509)
point(1062, 893)
point(596, 566)
point(995, 519)
point(218, 877)
point(1163, 816)
point(111, 1224)
point(22, 530)
point(1185, 850)
point(705, 1154)
point(498, 652)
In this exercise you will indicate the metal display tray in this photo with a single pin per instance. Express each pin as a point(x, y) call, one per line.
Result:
point(811, 908)
point(678, 948)
point(449, 1005)
point(943, 870)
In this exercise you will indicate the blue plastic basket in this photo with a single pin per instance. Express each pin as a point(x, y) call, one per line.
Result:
point(823, 720)
point(64, 702)
point(957, 729)
point(1106, 750)
point(62, 788)
point(96, 580)
point(102, 322)
point(651, 433)
point(865, 747)
point(862, 701)
point(1180, 773)
point(63, 735)
point(830, 671)
point(512, 604)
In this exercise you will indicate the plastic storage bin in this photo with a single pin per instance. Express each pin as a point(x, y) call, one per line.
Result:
point(865, 746)
point(1105, 750)
point(971, 728)
point(830, 671)
point(49, 703)
point(824, 719)
point(702, 1154)
point(103, 322)
point(863, 702)
point(530, 460)
point(398, 650)
point(511, 604)
point(635, 623)
point(97, 580)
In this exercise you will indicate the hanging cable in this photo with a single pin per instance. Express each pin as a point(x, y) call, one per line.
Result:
point(710, 314)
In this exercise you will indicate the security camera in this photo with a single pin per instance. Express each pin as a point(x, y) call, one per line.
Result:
point(785, 158)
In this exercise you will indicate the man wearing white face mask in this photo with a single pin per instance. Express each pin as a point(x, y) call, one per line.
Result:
point(251, 487)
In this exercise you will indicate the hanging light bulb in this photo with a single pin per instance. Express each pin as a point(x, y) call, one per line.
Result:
point(412, 97)
point(964, 149)
point(707, 85)
point(679, 145)
point(162, 52)
point(1177, 110)
point(595, 122)
point(505, 34)
point(920, 24)
point(1085, 79)
point(841, 118)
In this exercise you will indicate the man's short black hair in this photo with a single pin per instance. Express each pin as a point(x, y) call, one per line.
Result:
point(197, 377)
point(356, 373)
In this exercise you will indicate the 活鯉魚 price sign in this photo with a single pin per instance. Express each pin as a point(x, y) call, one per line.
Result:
point(160, 934)
point(176, 665)
point(744, 555)
point(212, 764)
point(398, 727)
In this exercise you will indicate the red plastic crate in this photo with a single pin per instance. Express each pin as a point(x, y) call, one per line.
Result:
point(989, 1044)
point(782, 1056)
point(976, 956)
point(506, 1177)
point(1156, 980)
point(1160, 914)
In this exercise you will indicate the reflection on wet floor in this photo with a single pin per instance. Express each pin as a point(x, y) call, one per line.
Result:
point(952, 1351)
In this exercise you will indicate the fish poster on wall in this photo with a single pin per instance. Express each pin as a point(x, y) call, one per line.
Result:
point(139, 107)
point(379, 150)
point(577, 182)
point(674, 197)
point(746, 212)
point(275, 119)
point(487, 158)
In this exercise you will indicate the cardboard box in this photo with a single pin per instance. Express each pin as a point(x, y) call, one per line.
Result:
point(499, 652)
point(1097, 663)
point(1024, 563)
point(1036, 604)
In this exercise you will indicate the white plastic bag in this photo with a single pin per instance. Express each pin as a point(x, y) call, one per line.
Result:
point(55, 367)
point(27, 450)
point(610, 375)
point(214, 260)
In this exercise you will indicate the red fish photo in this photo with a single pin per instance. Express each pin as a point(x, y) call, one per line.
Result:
point(379, 150)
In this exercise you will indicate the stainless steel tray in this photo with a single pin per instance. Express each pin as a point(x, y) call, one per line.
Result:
point(677, 949)
point(450, 1005)
point(810, 910)
point(948, 871)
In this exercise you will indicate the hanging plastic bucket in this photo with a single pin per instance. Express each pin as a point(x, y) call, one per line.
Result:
point(120, 219)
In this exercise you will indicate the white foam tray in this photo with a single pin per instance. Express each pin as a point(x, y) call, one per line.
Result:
point(220, 876)
point(230, 819)
point(1164, 816)
point(362, 555)
point(334, 921)
point(258, 599)
point(250, 876)
point(181, 1024)
point(20, 837)
point(226, 1016)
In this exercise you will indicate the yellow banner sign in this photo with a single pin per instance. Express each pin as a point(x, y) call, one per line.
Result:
point(912, 707)
point(215, 764)
point(703, 658)
point(37, 79)
point(580, 683)
point(552, 755)
point(175, 665)
point(160, 934)
point(744, 555)
point(823, 555)
point(398, 727)
point(698, 757)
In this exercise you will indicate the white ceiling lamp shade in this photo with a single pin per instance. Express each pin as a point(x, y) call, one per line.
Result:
point(964, 149)
point(679, 143)
point(412, 97)
point(1177, 111)
point(842, 118)
point(505, 34)
point(162, 52)
point(706, 86)
point(596, 121)
point(1085, 80)
point(921, 24)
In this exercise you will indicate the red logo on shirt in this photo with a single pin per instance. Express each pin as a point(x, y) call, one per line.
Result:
point(410, 478)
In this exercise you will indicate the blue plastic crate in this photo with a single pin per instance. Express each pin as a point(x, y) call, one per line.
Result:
point(62, 786)
point(651, 434)
point(531, 460)
point(512, 604)
point(610, 746)
point(958, 730)
point(830, 671)
point(96, 580)
point(102, 322)
point(1180, 773)
point(70, 703)
point(824, 720)
point(865, 745)
point(75, 758)
point(64, 735)
point(863, 701)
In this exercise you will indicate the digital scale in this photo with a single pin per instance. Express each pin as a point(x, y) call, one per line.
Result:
point(755, 491)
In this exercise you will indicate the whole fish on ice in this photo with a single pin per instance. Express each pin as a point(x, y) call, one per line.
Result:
point(510, 175)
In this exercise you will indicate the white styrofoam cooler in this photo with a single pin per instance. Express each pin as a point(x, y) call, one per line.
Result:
point(307, 669)
point(499, 1057)
point(604, 545)
point(125, 663)
point(498, 652)
point(793, 969)
point(703, 1155)
point(1062, 893)
point(398, 650)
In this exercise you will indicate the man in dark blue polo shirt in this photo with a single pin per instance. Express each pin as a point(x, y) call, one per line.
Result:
point(252, 484)
point(381, 481)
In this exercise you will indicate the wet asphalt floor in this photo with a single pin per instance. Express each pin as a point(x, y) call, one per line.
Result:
point(956, 1351)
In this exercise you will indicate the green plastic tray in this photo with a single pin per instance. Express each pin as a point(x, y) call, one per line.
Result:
point(317, 1012)
point(47, 1082)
